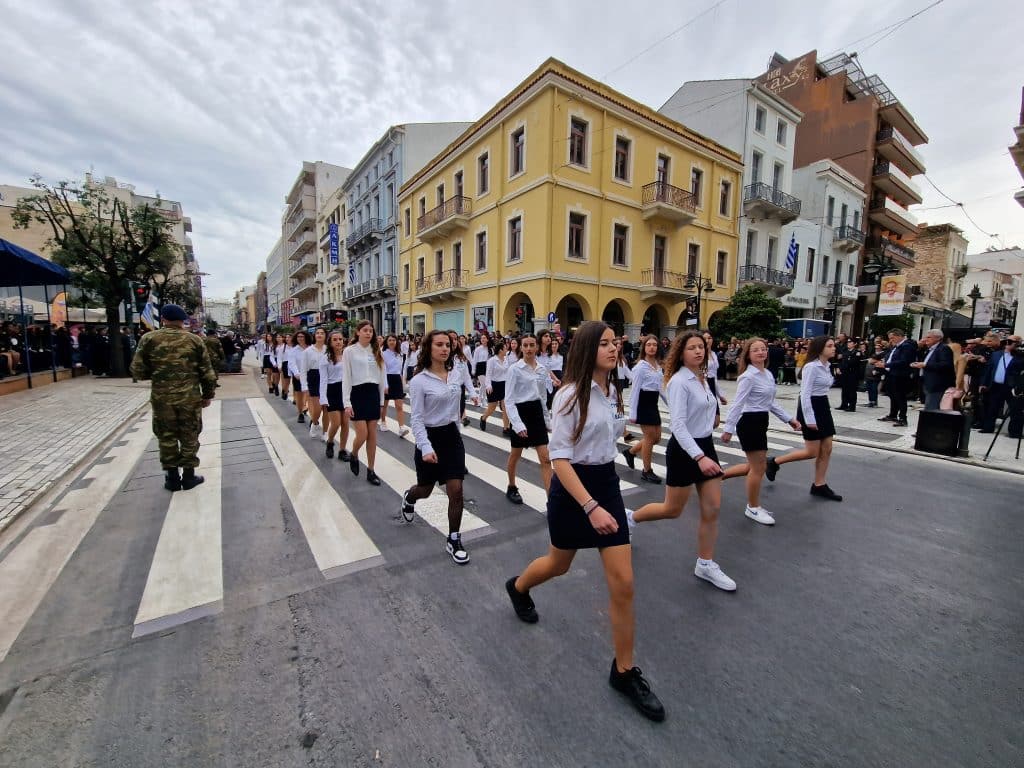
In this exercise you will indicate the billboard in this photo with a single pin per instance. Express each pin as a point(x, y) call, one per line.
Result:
point(890, 299)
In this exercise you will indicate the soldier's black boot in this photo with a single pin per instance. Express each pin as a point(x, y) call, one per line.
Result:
point(173, 480)
point(189, 479)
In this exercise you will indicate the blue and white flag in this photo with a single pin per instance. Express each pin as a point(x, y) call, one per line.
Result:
point(351, 273)
point(148, 316)
point(794, 249)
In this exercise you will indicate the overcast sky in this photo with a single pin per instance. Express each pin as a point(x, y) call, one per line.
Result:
point(215, 104)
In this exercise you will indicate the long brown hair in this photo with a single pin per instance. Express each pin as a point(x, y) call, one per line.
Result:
point(744, 358)
point(423, 360)
point(579, 371)
point(373, 341)
point(816, 347)
point(329, 351)
point(643, 346)
point(674, 358)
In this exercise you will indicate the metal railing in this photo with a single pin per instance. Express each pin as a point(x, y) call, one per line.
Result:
point(371, 227)
point(761, 191)
point(309, 260)
point(889, 132)
point(755, 273)
point(849, 232)
point(450, 278)
point(892, 247)
point(663, 192)
point(662, 278)
point(454, 206)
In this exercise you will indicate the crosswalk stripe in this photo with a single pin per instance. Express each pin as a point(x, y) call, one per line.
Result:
point(32, 567)
point(186, 577)
point(337, 540)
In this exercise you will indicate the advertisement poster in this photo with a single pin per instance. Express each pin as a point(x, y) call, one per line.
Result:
point(483, 316)
point(890, 300)
point(983, 313)
point(59, 310)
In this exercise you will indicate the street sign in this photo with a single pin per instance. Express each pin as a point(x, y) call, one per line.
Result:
point(552, 317)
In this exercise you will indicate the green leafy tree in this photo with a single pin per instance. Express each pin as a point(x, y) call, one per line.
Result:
point(882, 324)
point(750, 312)
point(102, 241)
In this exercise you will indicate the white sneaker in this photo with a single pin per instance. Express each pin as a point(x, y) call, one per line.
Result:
point(711, 572)
point(629, 519)
point(382, 427)
point(403, 432)
point(759, 515)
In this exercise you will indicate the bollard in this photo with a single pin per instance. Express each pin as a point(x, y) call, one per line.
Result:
point(963, 450)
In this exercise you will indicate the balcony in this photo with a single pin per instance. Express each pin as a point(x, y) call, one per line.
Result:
point(847, 238)
point(889, 214)
point(667, 203)
point(887, 177)
point(365, 235)
point(661, 282)
point(763, 201)
point(449, 285)
point(773, 281)
point(383, 286)
point(304, 288)
point(1019, 196)
point(899, 253)
point(892, 145)
point(301, 245)
point(304, 220)
point(440, 222)
point(303, 266)
point(187, 223)
point(899, 117)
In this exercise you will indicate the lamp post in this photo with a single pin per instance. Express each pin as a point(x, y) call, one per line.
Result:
point(974, 295)
point(878, 266)
point(702, 285)
point(834, 303)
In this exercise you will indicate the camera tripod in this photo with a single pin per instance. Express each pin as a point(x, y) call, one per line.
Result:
point(1005, 417)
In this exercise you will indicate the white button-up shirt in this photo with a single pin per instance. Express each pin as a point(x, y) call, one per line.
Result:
point(815, 380)
point(361, 368)
point(279, 354)
point(712, 364)
point(497, 370)
point(525, 384)
point(313, 356)
point(297, 365)
point(392, 362)
point(330, 373)
point(755, 393)
point(692, 408)
point(480, 355)
point(603, 427)
point(646, 378)
point(436, 403)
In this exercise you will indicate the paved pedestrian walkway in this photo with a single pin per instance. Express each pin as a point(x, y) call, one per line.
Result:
point(46, 433)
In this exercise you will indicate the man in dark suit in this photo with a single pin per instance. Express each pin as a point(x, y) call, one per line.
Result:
point(850, 370)
point(902, 352)
point(937, 370)
point(1003, 377)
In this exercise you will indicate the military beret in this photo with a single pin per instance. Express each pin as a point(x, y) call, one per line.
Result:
point(173, 312)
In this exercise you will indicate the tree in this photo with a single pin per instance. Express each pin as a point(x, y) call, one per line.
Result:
point(750, 312)
point(882, 324)
point(102, 240)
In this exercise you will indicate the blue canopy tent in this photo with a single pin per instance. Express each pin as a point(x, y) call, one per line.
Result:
point(20, 267)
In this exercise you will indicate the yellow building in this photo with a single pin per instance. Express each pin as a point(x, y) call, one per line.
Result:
point(569, 198)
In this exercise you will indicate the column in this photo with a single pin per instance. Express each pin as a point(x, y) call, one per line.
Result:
point(671, 331)
point(633, 331)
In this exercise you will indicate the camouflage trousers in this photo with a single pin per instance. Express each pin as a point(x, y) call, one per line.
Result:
point(177, 427)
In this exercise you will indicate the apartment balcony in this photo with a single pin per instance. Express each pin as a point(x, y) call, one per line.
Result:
point(366, 234)
point(763, 201)
point(301, 245)
point(303, 267)
point(382, 286)
point(847, 238)
point(898, 252)
point(305, 219)
point(898, 116)
point(440, 222)
point(450, 285)
point(889, 214)
point(1019, 196)
point(304, 290)
point(661, 282)
point(887, 177)
point(773, 281)
point(670, 204)
point(893, 146)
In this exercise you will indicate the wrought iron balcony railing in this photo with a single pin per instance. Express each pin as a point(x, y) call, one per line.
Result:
point(447, 280)
point(662, 278)
point(663, 192)
point(755, 273)
point(767, 193)
point(454, 206)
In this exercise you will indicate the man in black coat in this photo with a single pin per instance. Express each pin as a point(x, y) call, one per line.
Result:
point(902, 352)
point(776, 357)
point(850, 368)
point(937, 371)
point(1002, 377)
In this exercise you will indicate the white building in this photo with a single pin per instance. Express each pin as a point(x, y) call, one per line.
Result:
point(277, 289)
point(747, 118)
point(220, 311)
point(999, 276)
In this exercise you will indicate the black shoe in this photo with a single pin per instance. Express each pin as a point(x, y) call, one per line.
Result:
point(512, 494)
point(408, 509)
point(330, 450)
point(650, 477)
point(851, 410)
point(825, 492)
point(629, 457)
point(344, 456)
point(633, 686)
point(483, 424)
point(771, 469)
point(371, 477)
point(888, 418)
point(353, 464)
point(189, 479)
point(522, 603)
point(465, 421)
point(173, 480)
point(302, 419)
point(284, 395)
point(899, 423)
point(454, 548)
point(872, 405)
point(507, 431)
point(630, 437)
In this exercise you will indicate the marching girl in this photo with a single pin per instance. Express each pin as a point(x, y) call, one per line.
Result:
point(364, 385)
point(690, 458)
point(643, 407)
point(554, 362)
point(493, 383)
point(467, 350)
point(313, 356)
point(278, 361)
point(435, 394)
point(815, 414)
point(713, 368)
point(525, 393)
point(297, 365)
point(748, 420)
point(265, 352)
point(282, 350)
point(513, 350)
point(481, 355)
point(461, 362)
point(332, 393)
point(622, 377)
point(411, 357)
point(396, 389)
point(585, 508)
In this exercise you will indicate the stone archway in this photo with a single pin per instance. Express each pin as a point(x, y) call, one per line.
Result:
point(509, 317)
point(655, 317)
point(572, 310)
point(617, 314)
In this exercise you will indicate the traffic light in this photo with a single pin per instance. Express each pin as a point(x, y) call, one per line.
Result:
point(140, 294)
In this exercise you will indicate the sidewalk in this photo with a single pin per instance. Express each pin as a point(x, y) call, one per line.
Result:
point(862, 427)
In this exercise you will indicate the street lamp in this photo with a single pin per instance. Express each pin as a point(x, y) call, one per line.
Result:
point(878, 266)
point(702, 285)
point(974, 295)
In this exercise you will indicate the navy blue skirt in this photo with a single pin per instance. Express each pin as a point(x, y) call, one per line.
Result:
point(569, 525)
point(822, 419)
point(313, 383)
point(647, 413)
point(447, 443)
point(395, 388)
point(365, 402)
point(335, 397)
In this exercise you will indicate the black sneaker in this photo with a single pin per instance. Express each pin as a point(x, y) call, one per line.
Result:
point(483, 424)
point(629, 457)
point(507, 431)
point(284, 395)
point(454, 548)
point(408, 508)
point(302, 419)
point(900, 423)
point(522, 603)
point(825, 492)
point(353, 464)
point(772, 469)
point(635, 687)
point(344, 455)
point(512, 494)
point(630, 437)
point(330, 450)
point(650, 477)
point(371, 477)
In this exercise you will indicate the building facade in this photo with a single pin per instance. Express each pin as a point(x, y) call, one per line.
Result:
point(569, 201)
point(749, 119)
point(371, 196)
point(220, 311)
point(277, 283)
point(998, 276)
point(1017, 149)
point(936, 279)
point(333, 263)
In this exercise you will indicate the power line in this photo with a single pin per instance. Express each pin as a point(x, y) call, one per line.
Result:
point(963, 210)
point(888, 29)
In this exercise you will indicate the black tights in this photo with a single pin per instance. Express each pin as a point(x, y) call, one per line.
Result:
point(455, 501)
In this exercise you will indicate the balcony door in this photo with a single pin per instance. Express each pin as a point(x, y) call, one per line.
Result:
point(663, 176)
point(659, 260)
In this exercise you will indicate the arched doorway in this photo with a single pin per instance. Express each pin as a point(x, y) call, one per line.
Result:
point(514, 321)
point(615, 317)
point(571, 311)
point(654, 318)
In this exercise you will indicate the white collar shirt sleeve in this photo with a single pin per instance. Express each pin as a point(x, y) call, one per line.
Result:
point(692, 408)
point(596, 445)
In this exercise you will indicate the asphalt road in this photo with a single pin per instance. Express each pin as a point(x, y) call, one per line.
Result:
point(882, 631)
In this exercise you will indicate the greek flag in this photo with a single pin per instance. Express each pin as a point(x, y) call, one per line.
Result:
point(351, 273)
point(794, 249)
point(147, 315)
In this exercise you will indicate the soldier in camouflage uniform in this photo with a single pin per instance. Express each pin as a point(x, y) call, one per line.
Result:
point(216, 350)
point(183, 383)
